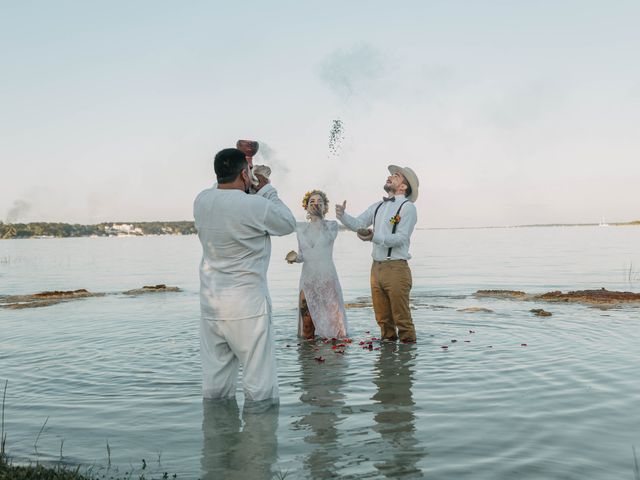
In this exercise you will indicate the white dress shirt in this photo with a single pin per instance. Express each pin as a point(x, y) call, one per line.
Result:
point(383, 239)
point(234, 229)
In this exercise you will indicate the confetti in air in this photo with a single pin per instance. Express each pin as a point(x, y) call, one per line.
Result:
point(336, 135)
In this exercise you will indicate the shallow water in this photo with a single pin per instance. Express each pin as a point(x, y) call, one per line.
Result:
point(124, 371)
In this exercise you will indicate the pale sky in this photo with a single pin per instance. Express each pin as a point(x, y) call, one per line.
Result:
point(511, 112)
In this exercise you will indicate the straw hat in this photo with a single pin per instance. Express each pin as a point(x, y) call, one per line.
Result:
point(412, 179)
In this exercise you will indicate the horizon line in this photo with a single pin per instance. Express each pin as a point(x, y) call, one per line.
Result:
point(533, 225)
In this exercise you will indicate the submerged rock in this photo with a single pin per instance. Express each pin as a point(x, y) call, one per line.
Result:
point(602, 297)
point(45, 299)
point(596, 297)
point(360, 302)
point(501, 293)
point(152, 289)
point(58, 294)
point(358, 305)
point(475, 310)
point(539, 312)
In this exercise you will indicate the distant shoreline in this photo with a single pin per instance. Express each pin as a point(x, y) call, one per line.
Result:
point(105, 229)
point(138, 229)
point(541, 225)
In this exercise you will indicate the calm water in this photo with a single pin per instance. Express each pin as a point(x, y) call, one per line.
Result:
point(124, 371)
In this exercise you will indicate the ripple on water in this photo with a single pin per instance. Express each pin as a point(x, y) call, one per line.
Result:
point(126, 371)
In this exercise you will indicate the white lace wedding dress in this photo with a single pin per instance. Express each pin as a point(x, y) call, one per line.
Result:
point(319, 279)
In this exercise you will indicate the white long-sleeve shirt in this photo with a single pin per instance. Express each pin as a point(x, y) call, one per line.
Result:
point(383, 239)
point(234, 229)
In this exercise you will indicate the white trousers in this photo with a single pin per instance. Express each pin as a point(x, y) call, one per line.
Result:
point(227, 344)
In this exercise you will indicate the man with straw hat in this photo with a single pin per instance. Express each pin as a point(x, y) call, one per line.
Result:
point(392, 221)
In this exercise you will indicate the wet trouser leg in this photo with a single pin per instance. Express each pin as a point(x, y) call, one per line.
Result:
point(226, 344)
point(382, 304)
point(390, 288)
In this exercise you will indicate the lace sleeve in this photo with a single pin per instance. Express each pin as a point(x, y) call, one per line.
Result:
point(299, 258)
point(333, 229)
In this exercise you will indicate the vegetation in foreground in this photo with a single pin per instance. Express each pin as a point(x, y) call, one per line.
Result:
point(63, 472)
point(8, 471)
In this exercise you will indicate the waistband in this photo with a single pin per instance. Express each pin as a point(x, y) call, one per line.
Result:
point(380, 262)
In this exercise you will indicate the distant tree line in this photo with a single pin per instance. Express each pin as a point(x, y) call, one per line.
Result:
point(111, 229)
point(63, 230)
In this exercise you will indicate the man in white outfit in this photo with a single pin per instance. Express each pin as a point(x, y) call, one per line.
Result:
point(235, 328)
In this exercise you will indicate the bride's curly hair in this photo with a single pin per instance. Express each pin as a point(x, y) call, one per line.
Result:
point(309, 194)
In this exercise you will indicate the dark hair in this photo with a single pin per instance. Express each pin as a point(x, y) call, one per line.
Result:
point(228, 164)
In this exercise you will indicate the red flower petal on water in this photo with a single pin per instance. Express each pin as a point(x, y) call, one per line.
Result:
point(361, 343)
point(348, 340)
point(341, 352)
point(523, 344)
point(319, 359)
point(472, 331)
point(368, 331)
point(377, 348)
point(333, 347)
point(444, 347)
point(374, 338)
point(370, 347)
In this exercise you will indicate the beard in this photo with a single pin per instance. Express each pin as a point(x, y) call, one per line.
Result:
point(389, 189)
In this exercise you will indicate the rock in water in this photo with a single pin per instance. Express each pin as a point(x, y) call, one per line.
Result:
point(44, 299)
point(594, 297)
point(500, 293)
point(152, 289)
point(476, 310)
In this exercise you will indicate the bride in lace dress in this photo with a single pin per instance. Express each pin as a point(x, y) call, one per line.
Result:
point(321, 308)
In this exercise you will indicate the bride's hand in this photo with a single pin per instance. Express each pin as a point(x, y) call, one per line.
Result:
point(315, 211)
point(291, 257)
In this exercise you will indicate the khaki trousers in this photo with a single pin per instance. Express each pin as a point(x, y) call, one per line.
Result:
point(390, 287)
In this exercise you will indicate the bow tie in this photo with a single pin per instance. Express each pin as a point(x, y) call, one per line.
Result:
point(388, 199)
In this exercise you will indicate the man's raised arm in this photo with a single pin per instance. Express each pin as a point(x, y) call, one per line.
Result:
point(278, 219)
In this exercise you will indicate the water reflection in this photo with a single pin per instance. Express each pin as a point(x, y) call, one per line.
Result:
point(395, 418)
point(235, 448)
point(321, 384)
